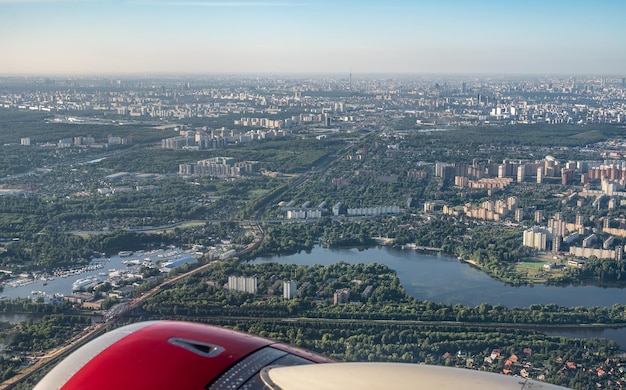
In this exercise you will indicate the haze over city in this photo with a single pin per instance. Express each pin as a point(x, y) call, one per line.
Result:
point(142, 37)
point(426, 182)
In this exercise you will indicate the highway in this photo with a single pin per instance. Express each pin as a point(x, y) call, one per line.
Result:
point(53, 356)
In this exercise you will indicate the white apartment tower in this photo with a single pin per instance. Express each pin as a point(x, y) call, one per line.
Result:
point(242, 283)
point(521, 172)
point(289, 289)
point(536, 238)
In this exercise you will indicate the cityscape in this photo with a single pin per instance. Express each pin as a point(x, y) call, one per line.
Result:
point(402, 186)
point(376, 162)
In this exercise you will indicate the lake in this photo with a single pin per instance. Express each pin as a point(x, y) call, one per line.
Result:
point(444, 279)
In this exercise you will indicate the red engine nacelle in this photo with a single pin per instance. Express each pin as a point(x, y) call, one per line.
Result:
point(184, 355)
point(173, 355)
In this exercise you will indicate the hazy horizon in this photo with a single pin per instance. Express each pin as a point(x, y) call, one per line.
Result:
point(396, 37)
point(330, 74)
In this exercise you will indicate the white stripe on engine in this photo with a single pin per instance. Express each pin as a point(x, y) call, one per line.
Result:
point(69, 366)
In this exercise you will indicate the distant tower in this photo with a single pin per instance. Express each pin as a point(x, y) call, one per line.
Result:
point(350, 83)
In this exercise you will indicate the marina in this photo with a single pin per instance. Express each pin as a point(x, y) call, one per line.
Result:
point(85, 284)
point(124, 266)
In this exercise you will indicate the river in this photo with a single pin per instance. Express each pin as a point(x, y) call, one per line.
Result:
point(435, 278)
point(444, 279)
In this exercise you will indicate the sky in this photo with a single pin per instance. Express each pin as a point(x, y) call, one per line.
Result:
point(312, 36)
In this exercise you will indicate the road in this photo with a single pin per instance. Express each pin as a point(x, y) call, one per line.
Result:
point(52, 357)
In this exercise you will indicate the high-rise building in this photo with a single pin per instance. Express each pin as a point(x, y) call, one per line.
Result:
point(536, 237)
point(289, 289)
point(567, 176)
point(242, 283)
point(560, 227)
point(580, 219)
point(521, 172)
point(502, 170)
point(444, 169)
point(612, 203)
point(556, 244)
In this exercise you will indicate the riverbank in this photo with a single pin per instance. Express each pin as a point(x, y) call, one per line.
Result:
point(525, 272)
point(446, 279)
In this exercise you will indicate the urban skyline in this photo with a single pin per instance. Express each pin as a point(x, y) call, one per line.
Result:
point(147, 37)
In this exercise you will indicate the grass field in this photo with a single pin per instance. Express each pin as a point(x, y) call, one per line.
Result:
point(532, 270)
point(533, 264)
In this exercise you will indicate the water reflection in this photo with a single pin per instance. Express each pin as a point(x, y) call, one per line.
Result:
point(444, 279)
point(15, 318)
point(615, 334)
